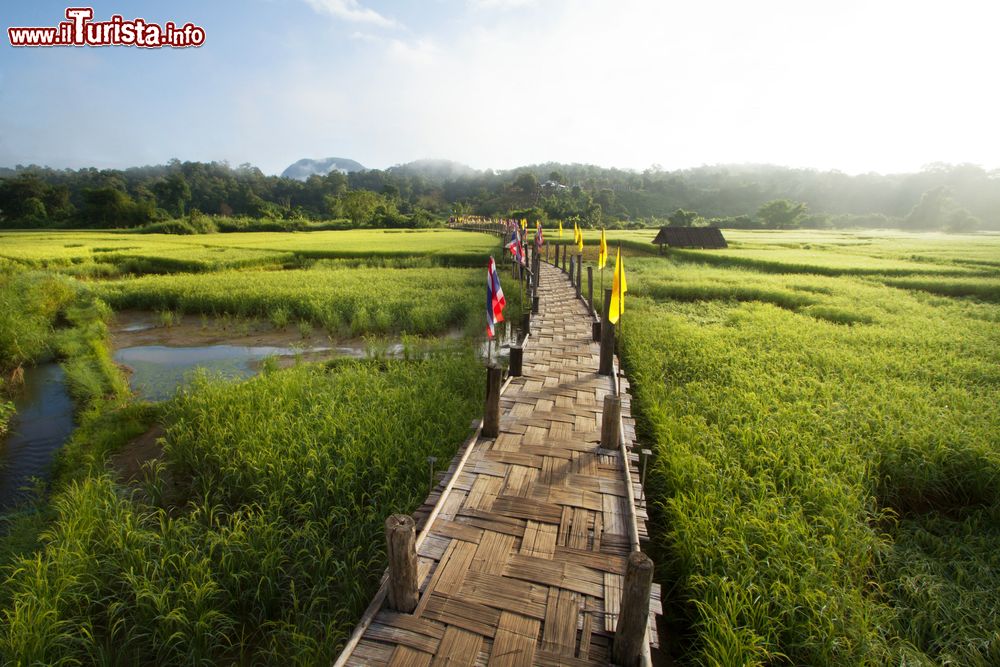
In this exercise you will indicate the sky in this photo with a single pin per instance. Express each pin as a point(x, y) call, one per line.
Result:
point(856, 86)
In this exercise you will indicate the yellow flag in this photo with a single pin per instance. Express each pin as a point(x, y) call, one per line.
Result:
point(602, 254)
point(618, 289)
point(524, 224)
point(580, 239)
point(560, 229)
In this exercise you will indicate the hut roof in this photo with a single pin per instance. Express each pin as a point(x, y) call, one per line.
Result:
point(691, 237)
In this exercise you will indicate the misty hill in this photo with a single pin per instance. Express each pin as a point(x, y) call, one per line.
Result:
point(307, 167)
point(941, 196)
point(434, 170)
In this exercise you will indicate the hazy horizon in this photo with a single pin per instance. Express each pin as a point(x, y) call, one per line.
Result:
point(499, 84)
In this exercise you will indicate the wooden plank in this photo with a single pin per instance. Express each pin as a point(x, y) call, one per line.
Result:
point(492, 552)
point(507, 594)
point(579, 534)
point(519, 481)
point(515, 640)
point(559, 629)
point(410, 622)
point(596, 561)
point(570, 576)
point(514, 458)
point(585, 632)
point(527, 508)
point(575, 497)
point(470, 616)
point(367, 653)
point(612, 600)
point(456, 530)
point(484, 491)
point(401, 637)
point(539, 539)
point(453, 571)
point(404, 656)
point(491, 521)
point(458, 648)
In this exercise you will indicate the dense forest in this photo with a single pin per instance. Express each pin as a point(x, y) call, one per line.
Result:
point(196, 196)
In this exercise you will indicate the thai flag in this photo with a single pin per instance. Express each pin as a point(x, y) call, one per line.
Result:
point(495, 302)
point(516, 251)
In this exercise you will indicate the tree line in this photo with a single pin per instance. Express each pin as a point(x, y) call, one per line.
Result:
point(424, 193)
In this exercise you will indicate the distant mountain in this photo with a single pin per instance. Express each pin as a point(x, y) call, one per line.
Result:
point(435, 170)
point(306, 167)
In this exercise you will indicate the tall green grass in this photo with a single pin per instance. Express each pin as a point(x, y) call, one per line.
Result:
point(279, 545)
point(349, 301)
point(823, 494)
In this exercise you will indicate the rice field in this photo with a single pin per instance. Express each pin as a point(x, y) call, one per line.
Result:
point(104, 253)
point(825, 482)
point(826, 451)
point(346, 301)
point(254, 533)
point(273, 547)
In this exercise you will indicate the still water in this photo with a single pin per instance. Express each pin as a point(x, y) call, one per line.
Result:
point(43, 422)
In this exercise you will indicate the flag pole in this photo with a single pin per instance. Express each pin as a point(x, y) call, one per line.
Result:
point(621, 310)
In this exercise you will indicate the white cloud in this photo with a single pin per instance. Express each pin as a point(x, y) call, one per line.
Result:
point(500, 4)
point(351, 10)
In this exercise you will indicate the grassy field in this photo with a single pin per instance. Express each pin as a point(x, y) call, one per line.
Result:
point(254, 535)
point(822, 408)
point(827, 447)
point(104, 253)
point(275, 547)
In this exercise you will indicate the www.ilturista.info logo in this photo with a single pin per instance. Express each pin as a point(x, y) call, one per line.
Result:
point(81, 30)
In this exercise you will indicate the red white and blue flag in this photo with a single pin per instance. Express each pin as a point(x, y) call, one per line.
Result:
point(495, 302)
point(515, 247)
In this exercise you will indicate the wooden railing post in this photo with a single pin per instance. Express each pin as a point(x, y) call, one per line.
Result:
point(630, 634)
point(491, 415)
point(579, 274)
point(400, 540)
point(610, 421)
point(526, 323)
point(607, 362)
point(571, 258)
point(590, 287)
point(516, 361)
point(534, 304)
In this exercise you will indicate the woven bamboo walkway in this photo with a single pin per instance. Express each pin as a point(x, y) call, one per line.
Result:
point(523, 563)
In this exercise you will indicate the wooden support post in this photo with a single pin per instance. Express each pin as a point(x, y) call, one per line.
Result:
point(630, 634)
point(571, 258)
point(534, 304)
point(401, 539)
point(491, 415)
point(565, 257)
point(516, 361)
point(526, 323)
point(546, 252)
point(595, 331)
point(610, 420)
point(607, 363)
point(579, 275)
point(590, 287)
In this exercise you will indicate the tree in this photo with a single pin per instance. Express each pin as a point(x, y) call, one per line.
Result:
point(930, 212)
point(782, 214)
point(526, 183)
point(961, 221)
point(359, 206)
point(173, 194)
point(682, 218)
